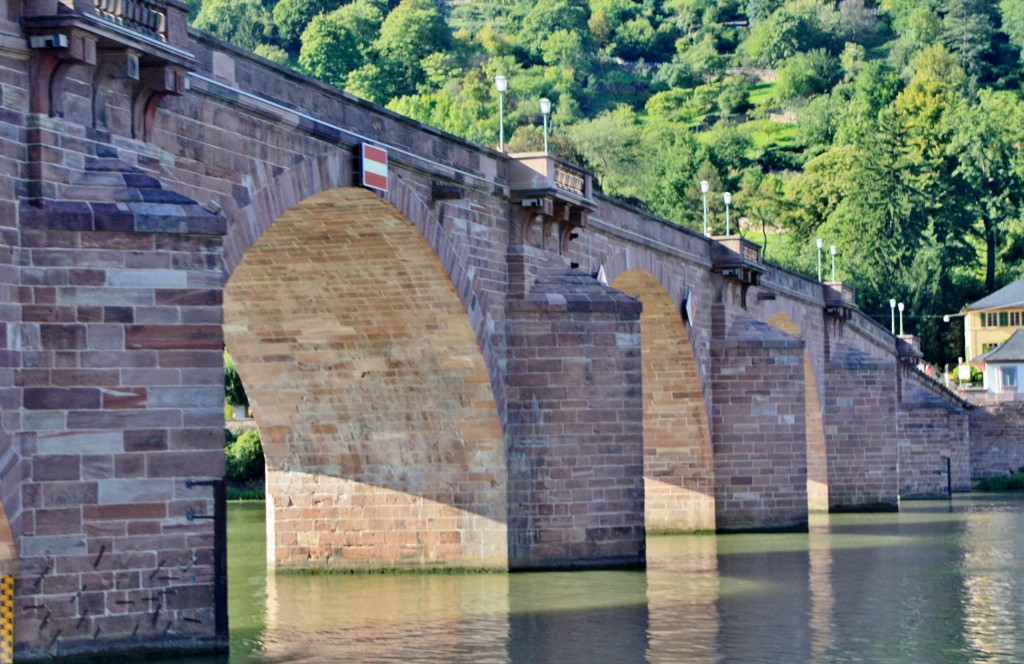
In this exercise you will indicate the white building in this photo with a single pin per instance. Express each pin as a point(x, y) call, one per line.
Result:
point(1003, 366)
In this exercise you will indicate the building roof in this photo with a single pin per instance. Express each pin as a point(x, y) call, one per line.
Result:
point(1012, 350)
point(1011, 295)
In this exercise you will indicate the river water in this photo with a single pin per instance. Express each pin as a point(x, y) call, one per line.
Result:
point(938, 582)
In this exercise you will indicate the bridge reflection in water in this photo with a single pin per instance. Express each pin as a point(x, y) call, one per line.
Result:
point(928, 584)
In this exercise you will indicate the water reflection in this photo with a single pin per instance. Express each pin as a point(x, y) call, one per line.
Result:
point(929, 584)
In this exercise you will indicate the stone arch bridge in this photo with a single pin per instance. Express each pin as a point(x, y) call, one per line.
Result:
point(486, 366)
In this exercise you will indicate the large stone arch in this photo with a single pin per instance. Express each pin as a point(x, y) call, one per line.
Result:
point(381, 430)
point(679, 485)
point(817, 461)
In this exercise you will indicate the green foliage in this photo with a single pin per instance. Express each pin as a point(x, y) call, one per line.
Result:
point(291, 17)
point(329, 50)
point(244, 456)
point(807, 74)
point(245, 23)
point(1002, 484)
point(234, 392)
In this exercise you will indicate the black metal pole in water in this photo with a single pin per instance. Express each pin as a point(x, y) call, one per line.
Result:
point(220, 552)
point(949, 476)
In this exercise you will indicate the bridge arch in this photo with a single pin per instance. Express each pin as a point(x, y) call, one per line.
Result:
point(817, 466)
point(679, 476)
point(381, 430)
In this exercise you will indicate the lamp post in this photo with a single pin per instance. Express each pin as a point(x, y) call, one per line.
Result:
point(727, 197)
point(704, 187)
point(892, 316)
point(501, 83)
point(820, 243)
point(545, 110)
point(900, 307)
point(832, 250)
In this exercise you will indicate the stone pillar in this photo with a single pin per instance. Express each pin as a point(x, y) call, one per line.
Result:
point(121, 402)
point(860, 432)
point(758, 429)
point(575, 423)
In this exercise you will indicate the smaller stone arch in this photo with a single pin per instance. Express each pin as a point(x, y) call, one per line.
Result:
point(817, 460)
point(679, 473)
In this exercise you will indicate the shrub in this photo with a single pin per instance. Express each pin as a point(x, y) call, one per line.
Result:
point(234, 391)
point(244, 457)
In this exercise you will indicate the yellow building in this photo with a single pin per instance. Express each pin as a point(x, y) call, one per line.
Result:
point(993, 319)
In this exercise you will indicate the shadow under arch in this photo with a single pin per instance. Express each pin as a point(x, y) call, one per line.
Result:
point(679, 475)
point(817, 462)
point(381, 431)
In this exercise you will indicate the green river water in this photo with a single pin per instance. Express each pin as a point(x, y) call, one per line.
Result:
point(937, 582)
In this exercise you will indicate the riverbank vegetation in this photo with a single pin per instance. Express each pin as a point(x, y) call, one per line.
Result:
point(889, 128)
point(1002, 484)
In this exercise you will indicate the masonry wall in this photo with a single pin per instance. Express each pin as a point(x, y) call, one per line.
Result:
point(575, 414)
point(997, 445)
point(861, 431)
point(930, 430)
point(121, 382)
point(13, 155)
point(758, 429)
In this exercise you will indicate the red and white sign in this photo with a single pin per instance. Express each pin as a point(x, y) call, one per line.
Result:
point(375, 167)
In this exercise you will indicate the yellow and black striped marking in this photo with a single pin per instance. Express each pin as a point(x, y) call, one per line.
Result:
point(6, 619)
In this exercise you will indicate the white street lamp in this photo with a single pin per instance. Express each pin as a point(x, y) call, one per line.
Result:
point(727, 197)
point(892, 316)
point(704, 188)
point(501, 83)
point(832, 250)
point(900, 306)
point(545, 110)
point(819, 243)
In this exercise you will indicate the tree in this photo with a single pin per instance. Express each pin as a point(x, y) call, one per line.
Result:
point(986, 145)
point(1012, 14)
point(292, 16)
point(546, 17)
point(412, 31)
point(244, 23)
point(807, 74)
point(967, 33)
point(329, 50)
point(611, 144)
point(234, 391)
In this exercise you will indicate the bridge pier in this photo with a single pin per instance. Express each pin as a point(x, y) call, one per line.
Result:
point(860, 432)
point(575, 421)
point(758, 429)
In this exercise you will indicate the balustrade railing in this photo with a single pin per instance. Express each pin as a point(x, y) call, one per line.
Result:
point(146, 16)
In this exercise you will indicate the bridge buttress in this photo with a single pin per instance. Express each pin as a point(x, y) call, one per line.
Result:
point(575, 426)
point(860, 417)
point(758, 429)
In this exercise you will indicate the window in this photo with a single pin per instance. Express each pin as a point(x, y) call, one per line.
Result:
point(1004, 319)
point(987, 347)
point(1008, 377)
point(981, 319)
point(992, 320)
point(1015, 318)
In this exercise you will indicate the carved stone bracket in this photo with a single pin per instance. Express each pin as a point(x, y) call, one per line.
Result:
point(551, 193)
point(140, 43)
point(739, 261)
